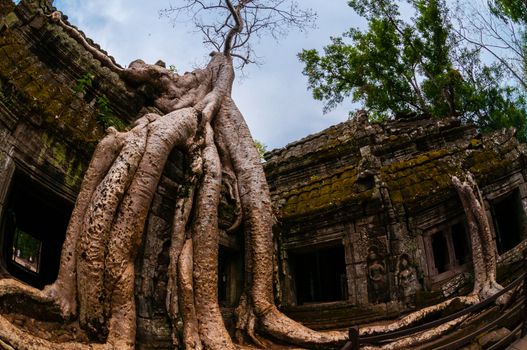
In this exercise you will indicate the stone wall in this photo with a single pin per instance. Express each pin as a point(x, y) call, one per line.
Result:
point(50, 125)
point(51, 119)
point(383, 192)
point(51, 90)
point(362, 207)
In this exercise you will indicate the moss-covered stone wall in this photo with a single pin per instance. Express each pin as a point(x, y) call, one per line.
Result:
point(381, 191)
point(55, 98)
point(378, 190)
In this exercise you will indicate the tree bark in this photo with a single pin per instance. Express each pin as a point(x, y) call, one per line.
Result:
point(96, 277)
point(483, 246)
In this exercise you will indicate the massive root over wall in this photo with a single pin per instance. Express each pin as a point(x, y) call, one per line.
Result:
point(484, 264)
point(95, 285)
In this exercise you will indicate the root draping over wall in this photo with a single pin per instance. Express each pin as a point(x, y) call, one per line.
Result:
point(95, 284)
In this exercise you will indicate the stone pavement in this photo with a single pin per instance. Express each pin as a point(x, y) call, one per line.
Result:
point(520, 344)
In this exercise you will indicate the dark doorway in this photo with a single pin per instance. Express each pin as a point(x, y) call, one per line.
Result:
point(461, 243)
point(440, 249)
point(230, 277)
point(319, 274)
point(508, 219)
point(33, 227)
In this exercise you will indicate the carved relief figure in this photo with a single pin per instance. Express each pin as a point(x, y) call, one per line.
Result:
point(376, 277)
point(407, 280)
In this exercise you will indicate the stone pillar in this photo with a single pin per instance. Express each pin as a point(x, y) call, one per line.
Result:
point(7, 168)
point(358, 276)
point(350, 273)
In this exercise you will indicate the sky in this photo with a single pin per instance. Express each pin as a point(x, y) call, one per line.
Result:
point(273, 96)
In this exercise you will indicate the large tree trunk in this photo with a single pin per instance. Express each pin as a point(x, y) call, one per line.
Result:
point(96, 278)
point(95, 285)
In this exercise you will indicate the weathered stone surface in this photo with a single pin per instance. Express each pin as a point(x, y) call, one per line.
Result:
point(379, 193)
point(472, 346)
point(390, 185)
point(493, 337)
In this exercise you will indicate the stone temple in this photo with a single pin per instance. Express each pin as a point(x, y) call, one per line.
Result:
point(368, 223)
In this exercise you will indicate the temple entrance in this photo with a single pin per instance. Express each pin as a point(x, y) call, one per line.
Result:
point(229, 277)
point(508, 217)
point(319, 275)
point(33, 228)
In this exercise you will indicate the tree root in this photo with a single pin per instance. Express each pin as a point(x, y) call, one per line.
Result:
point(483, 246)
point(206, 244)
point(420, 338)
point(119, 204)
point(178, 267)
point(21, 340)
point(97, 228)
point(191, 337)
point(416, 316)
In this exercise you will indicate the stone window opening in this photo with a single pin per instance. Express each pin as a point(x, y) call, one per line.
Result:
point(34, 224)
point(461, 243)
point(448, 250)
point(508, 218)
point(319, 274)
point(440, 252)
point(26, 250)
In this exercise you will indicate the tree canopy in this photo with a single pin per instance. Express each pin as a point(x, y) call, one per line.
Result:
point(232, 27)
point(401, 65)
point(516, 10)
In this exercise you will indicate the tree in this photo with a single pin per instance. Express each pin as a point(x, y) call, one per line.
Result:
point(496, 28)
point(261, 148)
point(95, 284)
point(399, 67)
point(516, 10)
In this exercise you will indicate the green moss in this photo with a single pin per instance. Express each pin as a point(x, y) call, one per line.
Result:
point(485, 161)
point(9, 20)
point(53, 152)
point(74, 173)
point(396, 196)
point(57, 154)
point(53, 108)
point(419, 160)
point(324, 194)
point(474, 143)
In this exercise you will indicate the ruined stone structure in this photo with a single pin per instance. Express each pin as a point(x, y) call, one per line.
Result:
point(369, 224)
point(371, 210)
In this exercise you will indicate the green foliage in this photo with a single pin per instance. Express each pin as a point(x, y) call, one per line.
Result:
point(516, 10)
point(106, 116)
point(392, 67)
point(261, 148)
point(172, 68)
point(399, 67)
point(27, 244)
point(489, 103)
point(83, 82)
